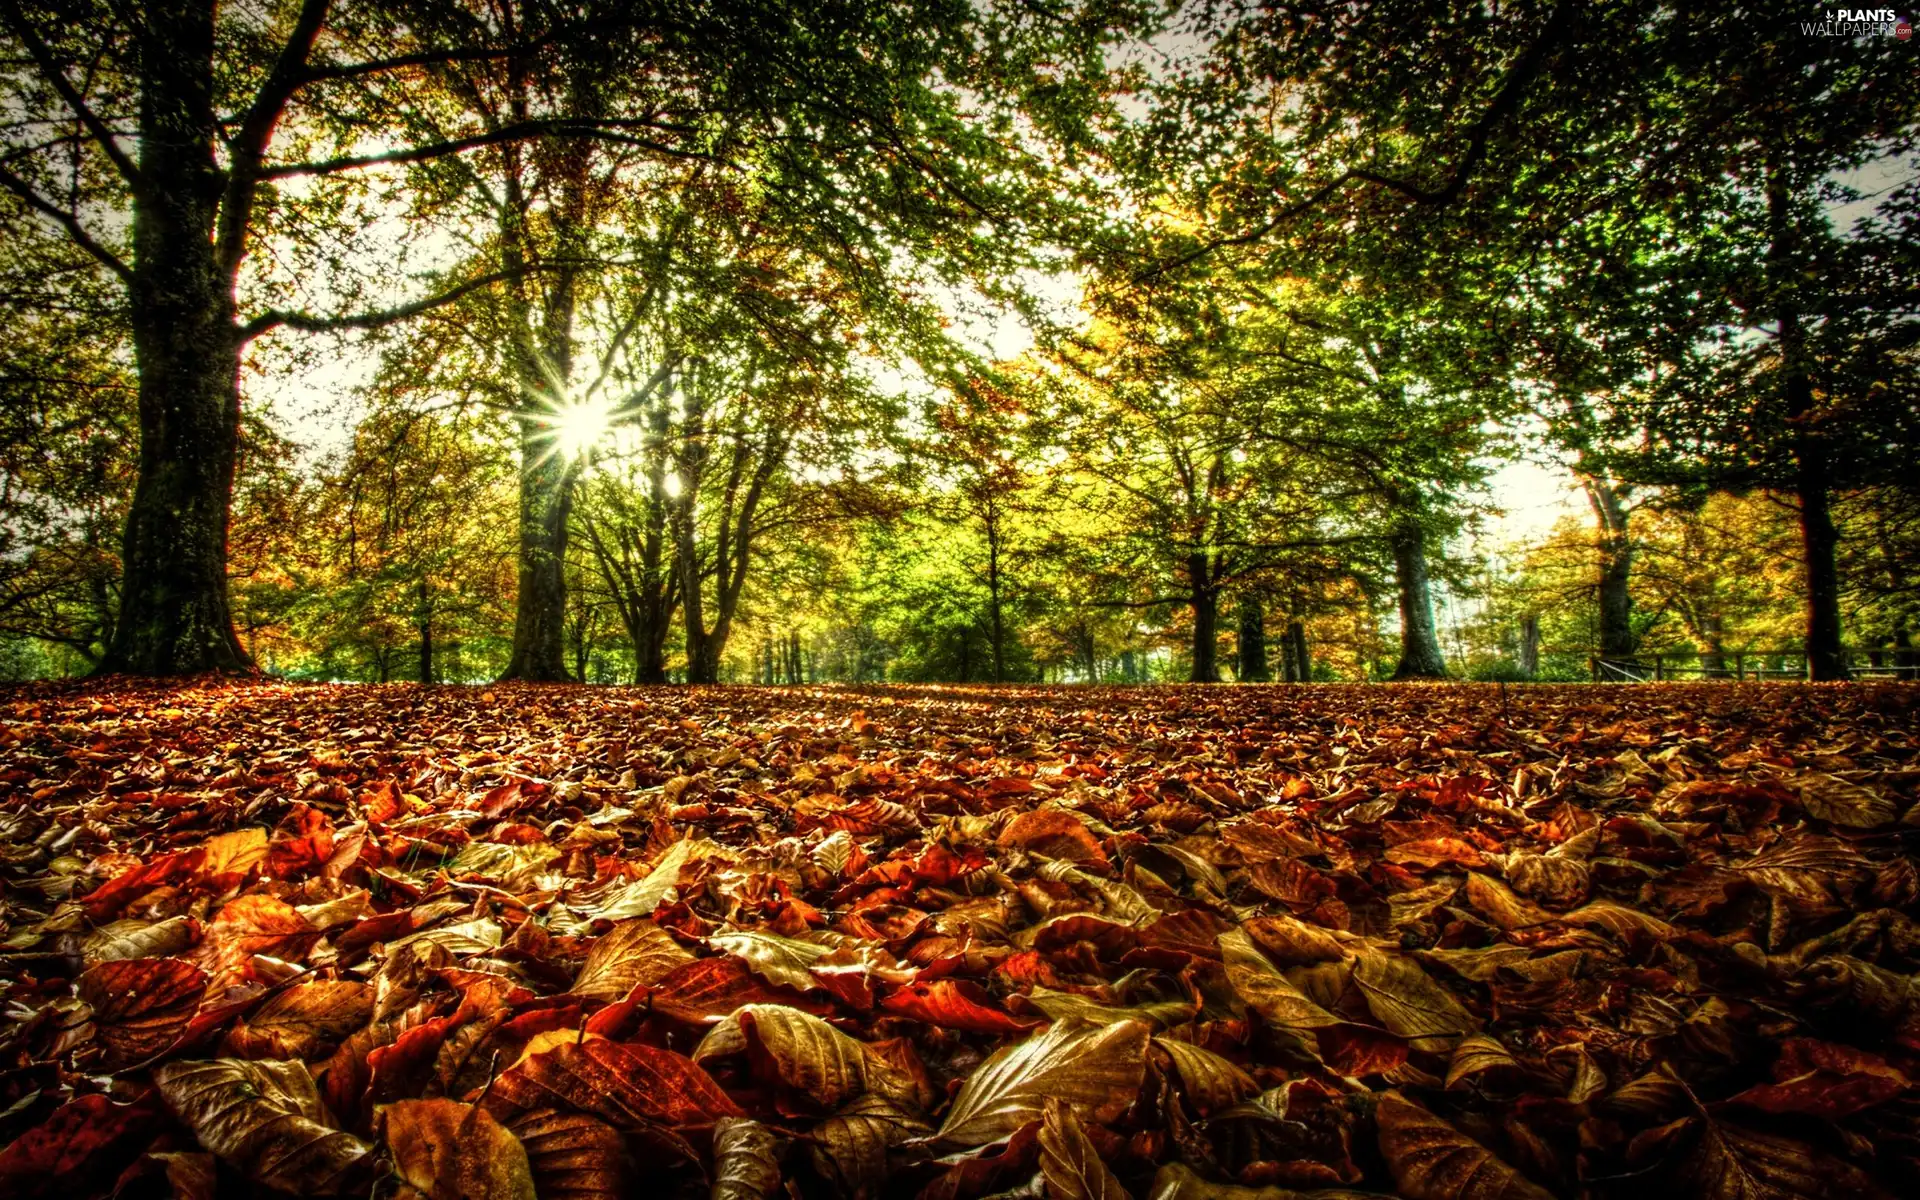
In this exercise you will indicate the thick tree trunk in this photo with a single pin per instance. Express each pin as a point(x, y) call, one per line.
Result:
point(1820, 543)
point(546, 503)
point(1530, 645)
point(1206, 619)
point(1297, 643)
point(1420, 656)
point(174, 616)
point(1713, 658)
point(1252, 667)
point(1615, 549)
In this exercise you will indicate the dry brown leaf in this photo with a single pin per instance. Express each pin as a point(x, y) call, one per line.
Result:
point(1096, 1069)
point(1431, 1160)
point(1407, 1001)
point(1209, 1081)
point(1839, 802)
point(266, 1119)
point(634, 953)
point(447, 1150)
point(1265, 990)
point(849, 1149)
point(304, 1021)
point(746, 1160)
point(1069, 1162)
point(140, 1006)
point(573, 1156)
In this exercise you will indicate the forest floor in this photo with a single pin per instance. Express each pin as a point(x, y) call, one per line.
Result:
point(1449, 942)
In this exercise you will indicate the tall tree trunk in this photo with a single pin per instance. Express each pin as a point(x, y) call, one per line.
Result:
point(1252, 667)
point(1206, 618)
point(1420, 656)
point(1297, 643)
point(1812, 468)
point(543, 361)
point(657, 576)
point(174, 615)
point(1530, 645)
point(1615, 549)
point(546, 504)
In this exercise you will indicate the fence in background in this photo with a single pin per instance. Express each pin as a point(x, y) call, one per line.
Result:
point(1736, 665)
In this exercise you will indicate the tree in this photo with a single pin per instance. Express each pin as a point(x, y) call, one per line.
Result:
point(222, 111)
point(67, 443)
point(206, 98)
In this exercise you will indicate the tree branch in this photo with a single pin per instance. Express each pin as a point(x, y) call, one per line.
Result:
point(249, 144)
point(57, 76)
point(1505, 102)
point(76, 232)
point(606, 131)
point(377, 319)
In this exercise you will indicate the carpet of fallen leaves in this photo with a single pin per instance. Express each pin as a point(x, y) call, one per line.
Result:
point(1450, 943)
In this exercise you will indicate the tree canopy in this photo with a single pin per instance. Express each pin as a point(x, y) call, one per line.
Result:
point(454, 340)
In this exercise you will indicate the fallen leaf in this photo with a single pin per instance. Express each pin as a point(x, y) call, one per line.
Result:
point(1431, 1160)
point(573, 1156)
point(1069, 1162)
point(634, 953)
point(1839, 802)
point(266, 1119)
point(746, 1160)
point(1096, 1069)
point(446, 1150)
point(141, 1006)
point(304, 1021)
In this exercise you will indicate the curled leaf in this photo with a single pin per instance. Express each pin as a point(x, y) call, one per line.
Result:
point(746, 1160)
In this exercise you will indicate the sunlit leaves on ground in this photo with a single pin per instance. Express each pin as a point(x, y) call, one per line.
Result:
point(1448, 943)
